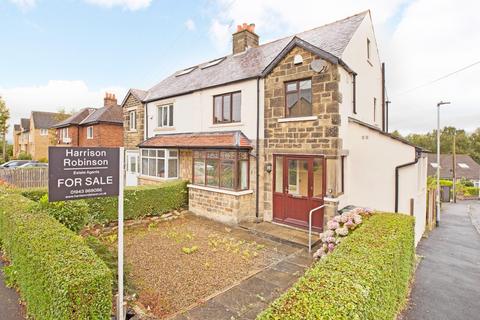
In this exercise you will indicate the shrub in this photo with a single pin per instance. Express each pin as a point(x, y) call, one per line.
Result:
point(72, 214)
point(57, 275)
point(139, 202)
point(366, 277)
point(470, 191)
point(24, 156)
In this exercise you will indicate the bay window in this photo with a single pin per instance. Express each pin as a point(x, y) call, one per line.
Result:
point(221, 169)
point(160, 163)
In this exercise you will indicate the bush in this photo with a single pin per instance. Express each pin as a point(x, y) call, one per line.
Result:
point(139, 202)
point(24, 156)
point(470, 191)
point(57, 275)
point(366, 277)
point(72, 214)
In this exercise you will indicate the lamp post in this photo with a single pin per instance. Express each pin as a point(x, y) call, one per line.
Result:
point(441, 103)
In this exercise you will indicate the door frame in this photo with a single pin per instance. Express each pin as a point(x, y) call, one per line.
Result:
point(310, 198)
point(128, 154)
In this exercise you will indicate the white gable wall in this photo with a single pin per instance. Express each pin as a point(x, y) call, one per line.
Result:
point(194, 112)
point(369, 73)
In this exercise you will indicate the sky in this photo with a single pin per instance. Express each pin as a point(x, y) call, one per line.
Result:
point(65, 54)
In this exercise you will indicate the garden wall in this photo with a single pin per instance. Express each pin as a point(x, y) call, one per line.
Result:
point(366, 277)
point(57, 275)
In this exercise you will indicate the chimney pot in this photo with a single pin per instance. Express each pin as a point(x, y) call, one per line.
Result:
point(109, 100)
point(244, 38)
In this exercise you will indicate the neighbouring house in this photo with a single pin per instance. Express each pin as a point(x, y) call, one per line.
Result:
point(466, 168)
point(92, 127)
point(275, 130)
point(34, 135)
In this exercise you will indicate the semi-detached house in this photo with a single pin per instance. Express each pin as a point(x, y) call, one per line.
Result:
point(274, 130)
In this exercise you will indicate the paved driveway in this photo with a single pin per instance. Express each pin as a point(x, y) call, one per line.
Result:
point(447, 283)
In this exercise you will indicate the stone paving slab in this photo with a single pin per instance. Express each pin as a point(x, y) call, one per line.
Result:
point(9, 301)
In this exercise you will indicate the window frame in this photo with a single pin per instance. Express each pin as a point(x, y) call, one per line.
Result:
point(132, 121)
point(90, 130)
point(236, 167)
point(166, 164)
point(169, 120)
point(44, 132)
point(285, 84)
point(368, 49)
point(64, 133)
point(223, 95)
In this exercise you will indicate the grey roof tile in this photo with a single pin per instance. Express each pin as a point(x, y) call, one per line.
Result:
point(75, 118)
point(45, 120)
point(112, 114)
point(446, 165)
point(332, 38)
point(25, 123)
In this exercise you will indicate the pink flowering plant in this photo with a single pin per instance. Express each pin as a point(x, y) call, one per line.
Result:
point(339, 227)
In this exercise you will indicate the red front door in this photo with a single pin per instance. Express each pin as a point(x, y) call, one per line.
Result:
point(298, 187)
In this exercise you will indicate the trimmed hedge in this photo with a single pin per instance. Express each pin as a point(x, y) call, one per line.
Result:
point(58, 276)
point(140, 201)
point(366, 277)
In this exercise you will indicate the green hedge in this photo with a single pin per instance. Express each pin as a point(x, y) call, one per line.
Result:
point(58, 276)
point(139, 202)
point(470, 191)
point(366, 277)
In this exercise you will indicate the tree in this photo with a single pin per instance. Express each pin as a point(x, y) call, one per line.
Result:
point(4, 117)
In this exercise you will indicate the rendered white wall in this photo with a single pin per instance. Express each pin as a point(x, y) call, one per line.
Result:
point(369, 73)
point(194, 112)
point(370, 174)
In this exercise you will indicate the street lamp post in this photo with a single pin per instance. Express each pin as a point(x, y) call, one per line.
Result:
point(437, 222)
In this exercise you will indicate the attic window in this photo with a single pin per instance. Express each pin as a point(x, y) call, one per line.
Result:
point(213, 63)
point(186, 71)
point(463, 165)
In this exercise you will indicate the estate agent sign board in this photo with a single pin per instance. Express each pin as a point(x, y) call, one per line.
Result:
point(76, 173)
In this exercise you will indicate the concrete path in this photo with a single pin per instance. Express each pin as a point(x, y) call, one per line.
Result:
point(447, 281)
point(9, 306)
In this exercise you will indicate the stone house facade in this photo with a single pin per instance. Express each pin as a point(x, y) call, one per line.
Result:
point(271, 131)
point(92, 127)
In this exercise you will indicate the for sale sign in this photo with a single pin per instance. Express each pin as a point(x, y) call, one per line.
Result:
point(76, 173)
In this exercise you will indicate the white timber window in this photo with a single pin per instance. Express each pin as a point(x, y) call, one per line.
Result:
point(132, 121)
point(165, 116)
point(160, 163)
point(90, 132)
point(44, 132)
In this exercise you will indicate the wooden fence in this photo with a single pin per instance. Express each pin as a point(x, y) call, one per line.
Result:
point(25, 178)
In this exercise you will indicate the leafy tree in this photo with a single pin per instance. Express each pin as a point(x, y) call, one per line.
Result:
point(4, 117)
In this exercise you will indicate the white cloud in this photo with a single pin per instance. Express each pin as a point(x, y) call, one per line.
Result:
point(24, 4)
point(220, 35)
point(53, 96)
point(190, 25)
point(125, 4)
point(419, 40)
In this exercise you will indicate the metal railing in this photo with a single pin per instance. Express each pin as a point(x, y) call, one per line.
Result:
point(310, 226)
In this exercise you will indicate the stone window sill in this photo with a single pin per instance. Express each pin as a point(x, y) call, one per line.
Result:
point(232, 193)
point(297, 119)
point(160, 129)
point(142, 176)
point(230, 124)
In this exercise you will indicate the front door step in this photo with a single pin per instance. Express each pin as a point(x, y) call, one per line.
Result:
point(281, 233)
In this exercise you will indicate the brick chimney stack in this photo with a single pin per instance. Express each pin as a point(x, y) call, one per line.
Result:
point(110, 100)
point(244, 38)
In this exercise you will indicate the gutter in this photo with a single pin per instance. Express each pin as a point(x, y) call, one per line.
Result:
point(397, 176)
point(257, 159)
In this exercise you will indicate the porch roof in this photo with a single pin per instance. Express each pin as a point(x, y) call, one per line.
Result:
point(199, 140)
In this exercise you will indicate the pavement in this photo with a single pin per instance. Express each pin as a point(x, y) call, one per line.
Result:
point(447, 281)
point(9, 301)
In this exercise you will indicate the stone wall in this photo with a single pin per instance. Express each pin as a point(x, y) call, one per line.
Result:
point(315, 136)
point(132, 138)
point(223, 207)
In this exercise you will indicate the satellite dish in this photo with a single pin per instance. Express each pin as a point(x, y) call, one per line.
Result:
point(318, 66)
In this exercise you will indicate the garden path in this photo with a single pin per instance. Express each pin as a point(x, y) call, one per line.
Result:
point(10, 308)
point(447, 280)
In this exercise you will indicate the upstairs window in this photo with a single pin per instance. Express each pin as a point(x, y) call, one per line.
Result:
point(374, 109)
point(227, 108)
point(298, 98)
point(90, 132)
point(64, 133)
point(165, 116)
point(132, 121)
point(44, 132)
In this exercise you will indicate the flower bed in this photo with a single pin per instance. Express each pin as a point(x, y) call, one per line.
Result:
point(366, 277)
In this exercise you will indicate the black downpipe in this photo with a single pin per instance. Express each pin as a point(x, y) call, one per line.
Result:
point(397, 177)
point(354, 86)
point(257, 159)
